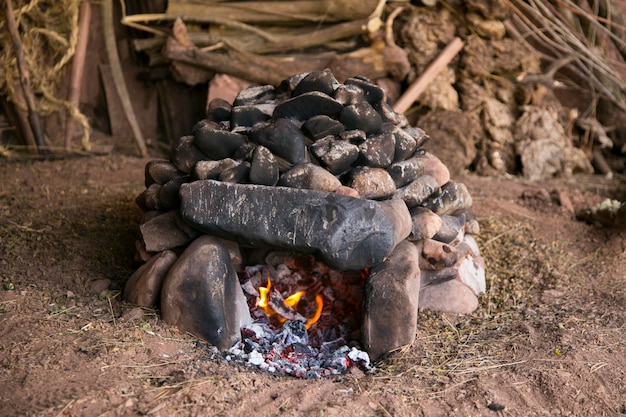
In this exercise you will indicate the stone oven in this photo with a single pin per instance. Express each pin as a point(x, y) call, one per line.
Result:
point(309, 211)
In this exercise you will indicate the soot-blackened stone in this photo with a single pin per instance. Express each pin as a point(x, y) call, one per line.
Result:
point(418, 134)
point(355, 136)
point(236, 174)
point(321, 126)
point(403, 172)
point(451, 230)
point(143, 288)
point(307, 105)
point(372, 93)
point(168, 194)
point(160, 171)
point(406, 145)
point(219, 110)
point(388, 114)
point(347, 233)
point(149, 198)
point(283, 138)
point(361, 116)
point(186, 154)
point(391, 302)
point(323, 81)
point(211, 170)
point(202, 295)
point(348, 94)
point(336, 155)
point(255, 95)
point(166, 231)
point(218, 144)
point(263, 168)
point(249, 115)
point(453, 199)
point(310, 177)
point(418, 191)
point(377, 151)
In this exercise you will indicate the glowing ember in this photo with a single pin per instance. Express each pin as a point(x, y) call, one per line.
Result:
point(280, 310)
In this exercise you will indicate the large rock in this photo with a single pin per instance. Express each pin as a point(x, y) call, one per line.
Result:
point(391, 302)
point(348, 233)
point(143, 288)
point(202, 295)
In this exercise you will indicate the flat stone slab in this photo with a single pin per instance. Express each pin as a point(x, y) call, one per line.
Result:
point(347, 233)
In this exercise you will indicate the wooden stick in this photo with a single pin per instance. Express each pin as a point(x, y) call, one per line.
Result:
point(78, 67)
point(417, 88)
point(33, 116)
point(118, 76)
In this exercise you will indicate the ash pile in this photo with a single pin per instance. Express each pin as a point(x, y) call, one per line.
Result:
point(310, 169)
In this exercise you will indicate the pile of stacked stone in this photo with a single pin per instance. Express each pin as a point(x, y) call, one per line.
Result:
point(311, 166)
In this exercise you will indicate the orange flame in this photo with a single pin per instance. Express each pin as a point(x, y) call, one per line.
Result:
point(292, 301)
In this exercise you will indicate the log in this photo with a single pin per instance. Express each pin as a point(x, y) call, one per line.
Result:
point(367, 62)
point(273, 12)
point(33, 115)
point(78, 66)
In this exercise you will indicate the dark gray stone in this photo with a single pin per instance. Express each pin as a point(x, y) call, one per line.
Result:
point(355, 136)
point(321, 126)
point(160, 171)
point(390, 308)
point(149, 198)
point(377, 151)
point(143, 288)
point(249, 115)
point(406, 145)
point(347, 233)
point(387, 114)
point(211, 170)
point(418, 134)
point(348, 94)
point(283, 138)
point(166, 231)
point(263, 168)
point(361, 116)
point(307, 105)
point(323, 81)
point(202, 295)
point(255, 95)
point(186, 154)
point(453, 199)
point(219, 110)
point(236, 174)
point(418, 191)
point(451, 230)
point(371, 92)
point(168, 194)
point(218, 144)
point(203, 125)
point(310, 177)
point(336, 155)
point(404, 172)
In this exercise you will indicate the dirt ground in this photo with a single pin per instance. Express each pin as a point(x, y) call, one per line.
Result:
point(547, 339)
